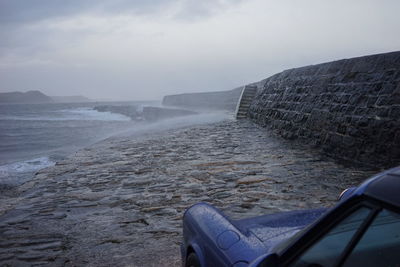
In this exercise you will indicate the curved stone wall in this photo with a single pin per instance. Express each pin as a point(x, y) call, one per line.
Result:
point(350, 108)
point(223, 100)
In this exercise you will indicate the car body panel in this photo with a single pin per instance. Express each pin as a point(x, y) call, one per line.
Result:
point(240, 240)
point(274, 228)
point(219, 241)
point(217, 237)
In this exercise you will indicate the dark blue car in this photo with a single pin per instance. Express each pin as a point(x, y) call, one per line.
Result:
point(363, 229)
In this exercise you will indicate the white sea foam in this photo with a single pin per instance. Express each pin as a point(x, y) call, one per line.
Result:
point(26, 166)
point(85, 114)
point(91, 114)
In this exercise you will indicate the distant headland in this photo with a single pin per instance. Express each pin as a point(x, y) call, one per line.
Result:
point(25, 97)
point(36, 96)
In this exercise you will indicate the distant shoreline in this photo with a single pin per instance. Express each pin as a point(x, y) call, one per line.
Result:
point(38, 97)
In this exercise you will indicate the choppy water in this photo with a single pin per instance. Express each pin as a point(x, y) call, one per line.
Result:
point(34, 136)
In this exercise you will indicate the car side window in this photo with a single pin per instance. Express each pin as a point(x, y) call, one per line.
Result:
point(326, 251)
point(380, 244)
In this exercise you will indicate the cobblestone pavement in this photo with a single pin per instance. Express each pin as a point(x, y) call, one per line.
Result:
point(120, 202)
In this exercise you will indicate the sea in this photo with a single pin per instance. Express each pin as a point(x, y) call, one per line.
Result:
point(36, 136)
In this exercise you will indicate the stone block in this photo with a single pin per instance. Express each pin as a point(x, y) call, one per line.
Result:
point(387, 88)
point(395, 112)
point(382, 112)
point(354, 104)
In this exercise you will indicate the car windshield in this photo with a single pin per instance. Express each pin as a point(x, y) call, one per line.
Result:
point(279, 248)
point(380, 245)
point(328, 249)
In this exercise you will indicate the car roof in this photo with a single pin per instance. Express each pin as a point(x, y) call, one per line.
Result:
point(385, 187)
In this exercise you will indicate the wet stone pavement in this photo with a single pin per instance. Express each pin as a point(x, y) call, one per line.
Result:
point(120, 202)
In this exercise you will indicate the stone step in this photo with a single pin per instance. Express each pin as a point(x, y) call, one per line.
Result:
point(248, 96)
point(245, 106)
point(250, 93)
point(245, 101)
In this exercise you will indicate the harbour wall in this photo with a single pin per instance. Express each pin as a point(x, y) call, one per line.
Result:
point(222, 100)
point(349, 108)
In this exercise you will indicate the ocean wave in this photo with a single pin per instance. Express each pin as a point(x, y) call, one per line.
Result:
point(31, 165)
point(91, 114)
point(83, 114)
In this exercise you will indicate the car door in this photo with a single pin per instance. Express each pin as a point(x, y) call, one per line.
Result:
point(365, 235)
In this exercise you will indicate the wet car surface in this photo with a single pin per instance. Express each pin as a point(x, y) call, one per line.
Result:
point(363, 229)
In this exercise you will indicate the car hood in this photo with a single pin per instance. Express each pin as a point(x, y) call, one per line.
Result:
point(273, 235)
point(273, 229)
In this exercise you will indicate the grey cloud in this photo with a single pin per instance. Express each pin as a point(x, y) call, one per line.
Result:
point(16, 15)
point(84, 47)
point(20, 11)
point(194, 9)
point(25, 11)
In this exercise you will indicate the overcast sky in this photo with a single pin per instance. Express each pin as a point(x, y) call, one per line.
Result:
point(144, 49)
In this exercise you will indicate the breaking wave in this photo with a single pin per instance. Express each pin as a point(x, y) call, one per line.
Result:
point(84, 114)
point(9, 172)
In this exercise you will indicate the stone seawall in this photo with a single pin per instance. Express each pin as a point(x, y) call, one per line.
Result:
point(222, 100)
point(350, 108)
